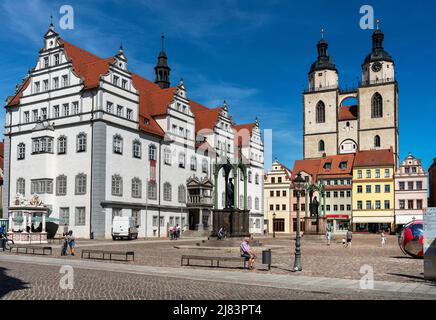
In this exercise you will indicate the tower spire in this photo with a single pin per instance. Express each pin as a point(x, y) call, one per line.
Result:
point(162, 70)
point(322, 33)
point(378, 23)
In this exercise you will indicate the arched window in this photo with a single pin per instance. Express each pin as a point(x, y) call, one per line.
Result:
point(256, 203)
point(320, 112)
point(182, 194)
point(256, 178)
point(137, 149)
point(152, 191)
point(81, 142)
point(167, 191)
point(62, 145)
point(21, 151)
point(321, 146)
point(249, 203)
point(81, 183)
point(118, 144)
point(61, 185)
point(136, 188)
point(193, 163)
point(117, 185)
point(152, 152)
point(249, 176)
point(377, 141)
point(21, 186)
point(377, 106)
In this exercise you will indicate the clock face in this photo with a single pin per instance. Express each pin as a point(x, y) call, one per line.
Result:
point(376, 67)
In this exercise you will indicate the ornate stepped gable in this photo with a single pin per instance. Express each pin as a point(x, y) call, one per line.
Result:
point(153, 100)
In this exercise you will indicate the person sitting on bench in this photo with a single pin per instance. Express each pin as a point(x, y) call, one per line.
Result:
point(247, 253)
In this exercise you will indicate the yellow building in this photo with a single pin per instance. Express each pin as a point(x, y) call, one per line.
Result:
point(373, 191)
point(277, 195)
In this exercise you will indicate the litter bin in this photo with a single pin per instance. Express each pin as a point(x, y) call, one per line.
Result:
point(91, 236)
point(266, 258)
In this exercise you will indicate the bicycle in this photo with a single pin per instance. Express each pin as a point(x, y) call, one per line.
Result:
point(8, 244)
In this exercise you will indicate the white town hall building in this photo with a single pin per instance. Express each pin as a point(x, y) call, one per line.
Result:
point(94, 140)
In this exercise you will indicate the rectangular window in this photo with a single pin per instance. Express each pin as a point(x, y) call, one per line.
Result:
point(419, 185)
point(348, 194)
point(279, 180)
point(377, 188)
point(162, 222)
point(81, 142)
point(335, 194)
point(387, 174)
point(64, 216)
point(284, 207)
point(44, 113)
point(387, 204)
point(368, 204)
point(410, 204)
point(55, 111)
point(42, 145)
point(407, 170)
point(377, 173)
point(273, 180)
point(37, 87)
point(137, 149)
point(46, 63)
point(129, 114)
point(56, 59)
point(35, 115)
point(277, 193)
point(124, 84)
point(402, 185)
point(284, 193)
point(410, 185)
point(368, 189)
point(342, 207)
point(359, 174)
point(64, 81)
point(80, 216)
point(327, 194)
point(295, 207)
point(45, 85)
point(359, 205)
point(335, 207)
point(116, 80)
point(65, 110)
point(41, 186)
point(56, 83)
point(61, 186)
point(75, 107)
point(387, 188)
point(154, 221)
point(328, 207)
point(81, 184)
point(26, 117)
point(109, 107)
point(378, 204)
point(419, 204)
point(413, 169)
point(402, 204)
point(277, 207)
point(368, 174)
point(342, 194)
point(136, 215)
point(119, 111)
point(271, 207)
point(271, 193)
point(348, 207)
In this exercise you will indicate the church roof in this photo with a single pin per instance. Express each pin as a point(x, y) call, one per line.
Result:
point(348, 113)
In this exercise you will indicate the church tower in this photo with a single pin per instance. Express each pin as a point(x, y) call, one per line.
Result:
point(162, 70)
point(320, 106)
point(378, 99)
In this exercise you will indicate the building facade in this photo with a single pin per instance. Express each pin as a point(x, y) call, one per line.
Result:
point(373, 191)
point(277, 195)
point(432, 182)
point(331, 126)
point(410, 191)
point(95, 140)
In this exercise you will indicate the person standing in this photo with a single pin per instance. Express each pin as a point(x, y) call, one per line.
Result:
point(71, 242)
point(328, 236)
point(178, 231)
point(349, 238)
point(383, 239)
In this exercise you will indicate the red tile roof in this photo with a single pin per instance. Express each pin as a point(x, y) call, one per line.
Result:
point(383, 157)
point(16, 99)
point(243, 133)
point(310, 166)
point(205, 118)
point(347, 113)
point(335, 161)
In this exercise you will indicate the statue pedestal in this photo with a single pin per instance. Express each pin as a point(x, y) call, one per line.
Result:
point(235, 222)
point(310, 225)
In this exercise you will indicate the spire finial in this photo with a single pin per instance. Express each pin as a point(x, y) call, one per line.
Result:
point(322, 33)
point(121, 46)
point(163, 40)
point(51, 20)
point(378, 24)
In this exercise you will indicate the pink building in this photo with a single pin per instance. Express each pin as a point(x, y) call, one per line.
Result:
point(410, 191)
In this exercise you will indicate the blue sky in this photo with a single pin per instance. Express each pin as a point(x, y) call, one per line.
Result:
point(253, 54)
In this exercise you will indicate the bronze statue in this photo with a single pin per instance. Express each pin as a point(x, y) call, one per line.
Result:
point(230, 191)
point(314, 204)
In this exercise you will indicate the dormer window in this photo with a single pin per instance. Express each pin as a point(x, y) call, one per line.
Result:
point(343, 165)
point(146, 121)
point(328, 165)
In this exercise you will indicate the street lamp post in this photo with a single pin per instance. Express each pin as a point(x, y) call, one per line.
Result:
point(274, 225)
point(298, 185)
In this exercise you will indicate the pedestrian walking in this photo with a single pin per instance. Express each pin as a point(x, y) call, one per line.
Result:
point(178, 231)
point(64, 244)
point(349, 238)
point(328, 237)
point(383, 239)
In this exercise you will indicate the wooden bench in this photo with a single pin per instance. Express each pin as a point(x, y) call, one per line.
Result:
point(103, 254)
point(30, 249)
point(212, 259)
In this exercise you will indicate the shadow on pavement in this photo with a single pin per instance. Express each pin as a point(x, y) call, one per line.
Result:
point(430, 282)
point(9, 284)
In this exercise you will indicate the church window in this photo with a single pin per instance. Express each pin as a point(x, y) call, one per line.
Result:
point(377, 141)
point(320, 112)
point(321, 146)
point(377, 106)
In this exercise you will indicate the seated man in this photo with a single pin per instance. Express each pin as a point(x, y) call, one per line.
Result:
point(247, 253)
